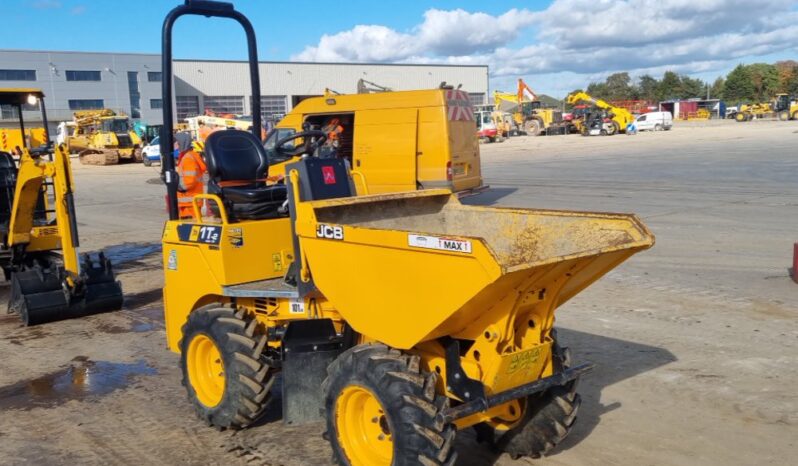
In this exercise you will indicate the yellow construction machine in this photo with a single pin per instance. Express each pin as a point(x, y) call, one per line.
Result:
point(620, 116)
point(393, 140)
point(11, 138)
point(528, 113)
point(39, 247)
point(399, 318)
point(783, 106)
point(102, 137)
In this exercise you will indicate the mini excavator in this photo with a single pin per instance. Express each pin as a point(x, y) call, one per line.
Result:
point(39, 236)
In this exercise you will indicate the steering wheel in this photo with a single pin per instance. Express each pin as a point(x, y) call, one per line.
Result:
point(313, 139)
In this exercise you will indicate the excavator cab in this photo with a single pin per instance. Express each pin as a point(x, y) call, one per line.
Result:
point(39, 244)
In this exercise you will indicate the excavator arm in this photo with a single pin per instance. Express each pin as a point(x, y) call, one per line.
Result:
point(23, 234)
point(48, 280)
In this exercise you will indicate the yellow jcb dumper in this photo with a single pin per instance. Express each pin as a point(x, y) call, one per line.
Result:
point(399, 318)
point(39, 247)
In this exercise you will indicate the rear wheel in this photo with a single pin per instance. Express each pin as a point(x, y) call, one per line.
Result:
point(658, 127)
point(146, 161)
point(612, 128)
point(381, 410)
point(795, 115)
point(220, 357)
point(547, 418)
point(532, 128)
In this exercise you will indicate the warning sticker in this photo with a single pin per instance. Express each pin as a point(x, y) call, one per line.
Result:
point(442, 243)
point(236, 237)
point(171, 263)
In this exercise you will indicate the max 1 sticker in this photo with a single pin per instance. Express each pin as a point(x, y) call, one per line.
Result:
point(236, 237)
point(442, 243)
point(277, 261)
point(205, 234)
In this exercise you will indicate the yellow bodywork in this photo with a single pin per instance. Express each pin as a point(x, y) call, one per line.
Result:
point(418, 266)
point(11, 138)
point(787, 109)
point(91, 133)
point(43, 235)
point(402, 140)
point(620, 116)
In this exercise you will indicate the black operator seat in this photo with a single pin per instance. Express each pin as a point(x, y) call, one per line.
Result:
point(237, 169)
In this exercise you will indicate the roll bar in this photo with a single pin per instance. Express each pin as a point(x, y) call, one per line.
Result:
point(208, 9)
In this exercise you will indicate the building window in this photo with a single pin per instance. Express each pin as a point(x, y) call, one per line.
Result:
point(186, 106)
point(135, 96)
point(156, 104)
point(17, 75)
point(225, 104)
point(86, 104)
point(154, 76)
point(272, 107)
point(10, 111)
point(83, 76)
point(476, 98)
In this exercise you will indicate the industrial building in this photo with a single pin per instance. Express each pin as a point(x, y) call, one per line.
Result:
point(131, 82)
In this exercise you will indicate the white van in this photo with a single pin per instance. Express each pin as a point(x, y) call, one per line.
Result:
point(654, 121)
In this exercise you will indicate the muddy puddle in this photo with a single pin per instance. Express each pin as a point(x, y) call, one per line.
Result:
point(128, 252)
point(83, 379)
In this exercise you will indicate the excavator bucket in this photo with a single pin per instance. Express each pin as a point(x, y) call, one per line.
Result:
point(39, 293)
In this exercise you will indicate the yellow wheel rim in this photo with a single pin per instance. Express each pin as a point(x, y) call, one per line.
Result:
point(362, 428)
point(511, 415)
point(205, 370)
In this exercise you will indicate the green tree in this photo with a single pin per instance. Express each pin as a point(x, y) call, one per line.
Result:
point(787, 70)
point(647, 88)
point(716, 91)
point(791, 84)
point(618, 87)
point(690, 88)
point(669, 87)
point(597, 90)
point(765, 79)
point(739, 87)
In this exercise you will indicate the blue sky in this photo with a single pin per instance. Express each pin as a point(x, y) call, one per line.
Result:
point(556, 45)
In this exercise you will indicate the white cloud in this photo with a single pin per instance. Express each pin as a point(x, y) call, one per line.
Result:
point(580, 38)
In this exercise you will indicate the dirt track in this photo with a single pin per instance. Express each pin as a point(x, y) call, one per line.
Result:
point(695, 341)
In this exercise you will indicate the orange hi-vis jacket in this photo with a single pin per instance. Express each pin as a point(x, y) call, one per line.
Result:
point(191, 169)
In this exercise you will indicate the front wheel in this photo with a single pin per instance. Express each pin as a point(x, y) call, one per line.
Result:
point(547, 418)
point(740, 117)
point(146, 161)
point(220, 357)
point(381, 410)
point(784, 116)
